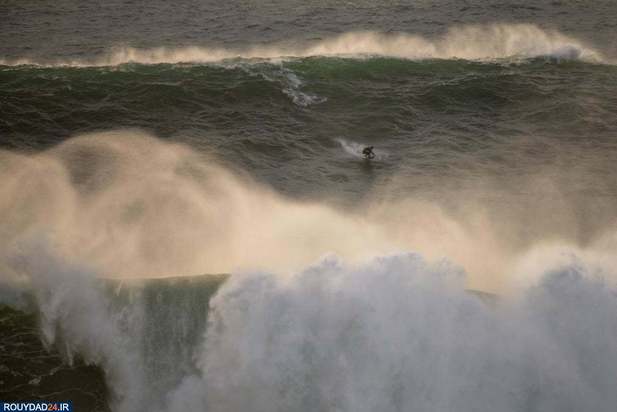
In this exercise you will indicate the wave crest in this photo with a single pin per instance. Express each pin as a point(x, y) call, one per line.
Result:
point(402, 334)
point(475, 42)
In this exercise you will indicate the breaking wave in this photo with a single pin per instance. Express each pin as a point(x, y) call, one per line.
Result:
point(402, 334)
point(366, 328)
point(394, 333)
point(477, 42)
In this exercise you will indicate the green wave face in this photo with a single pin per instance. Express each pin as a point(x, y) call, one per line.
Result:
point(439, 115)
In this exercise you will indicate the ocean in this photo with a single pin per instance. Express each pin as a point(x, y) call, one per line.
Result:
point(187, 221)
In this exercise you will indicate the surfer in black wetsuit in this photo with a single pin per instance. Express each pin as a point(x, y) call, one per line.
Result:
point(368, 152)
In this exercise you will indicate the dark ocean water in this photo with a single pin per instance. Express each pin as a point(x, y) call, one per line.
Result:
point(284, 122)
point(142, 140)
point(280, 120)
point(74, 29)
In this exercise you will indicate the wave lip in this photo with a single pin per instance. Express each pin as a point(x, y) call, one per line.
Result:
point(474, 42)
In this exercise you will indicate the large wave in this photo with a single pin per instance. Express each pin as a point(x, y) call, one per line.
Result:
point(477, 42)
point(402, 334)
point(132, 205)
point(366, 328)
point(395, 333)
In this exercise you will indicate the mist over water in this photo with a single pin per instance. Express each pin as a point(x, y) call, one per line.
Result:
point(393, 333)
point(128, 205)
point(366, 327)
point(485, 42)
point(401, 334)
point(186, 205)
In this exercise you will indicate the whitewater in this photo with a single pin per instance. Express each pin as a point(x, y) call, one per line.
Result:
point(194, 220)
point(394, 333)
point(481, 42)
point(330, 324)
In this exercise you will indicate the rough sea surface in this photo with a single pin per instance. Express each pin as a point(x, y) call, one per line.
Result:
point(145, 147)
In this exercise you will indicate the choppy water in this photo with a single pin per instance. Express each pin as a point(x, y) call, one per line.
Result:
point(146, 141)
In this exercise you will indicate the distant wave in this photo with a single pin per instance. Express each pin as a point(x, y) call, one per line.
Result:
point(476, 42)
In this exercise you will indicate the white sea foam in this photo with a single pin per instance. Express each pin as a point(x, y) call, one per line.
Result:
point(401, 334)
point(371, 329)
point(476, 42)
point(393, 333)
point(75, 317)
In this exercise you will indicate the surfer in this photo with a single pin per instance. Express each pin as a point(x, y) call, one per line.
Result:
point(368, 152)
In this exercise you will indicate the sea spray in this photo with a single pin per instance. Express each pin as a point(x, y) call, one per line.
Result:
point(473, 42)
point(401, 334)
point(143, 333)
point(75, 317)
point(144, 207)
point(498, 173)
point(372, 329)
point(395, 333)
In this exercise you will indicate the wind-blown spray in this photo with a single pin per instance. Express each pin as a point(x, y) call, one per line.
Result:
point(371, 329)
